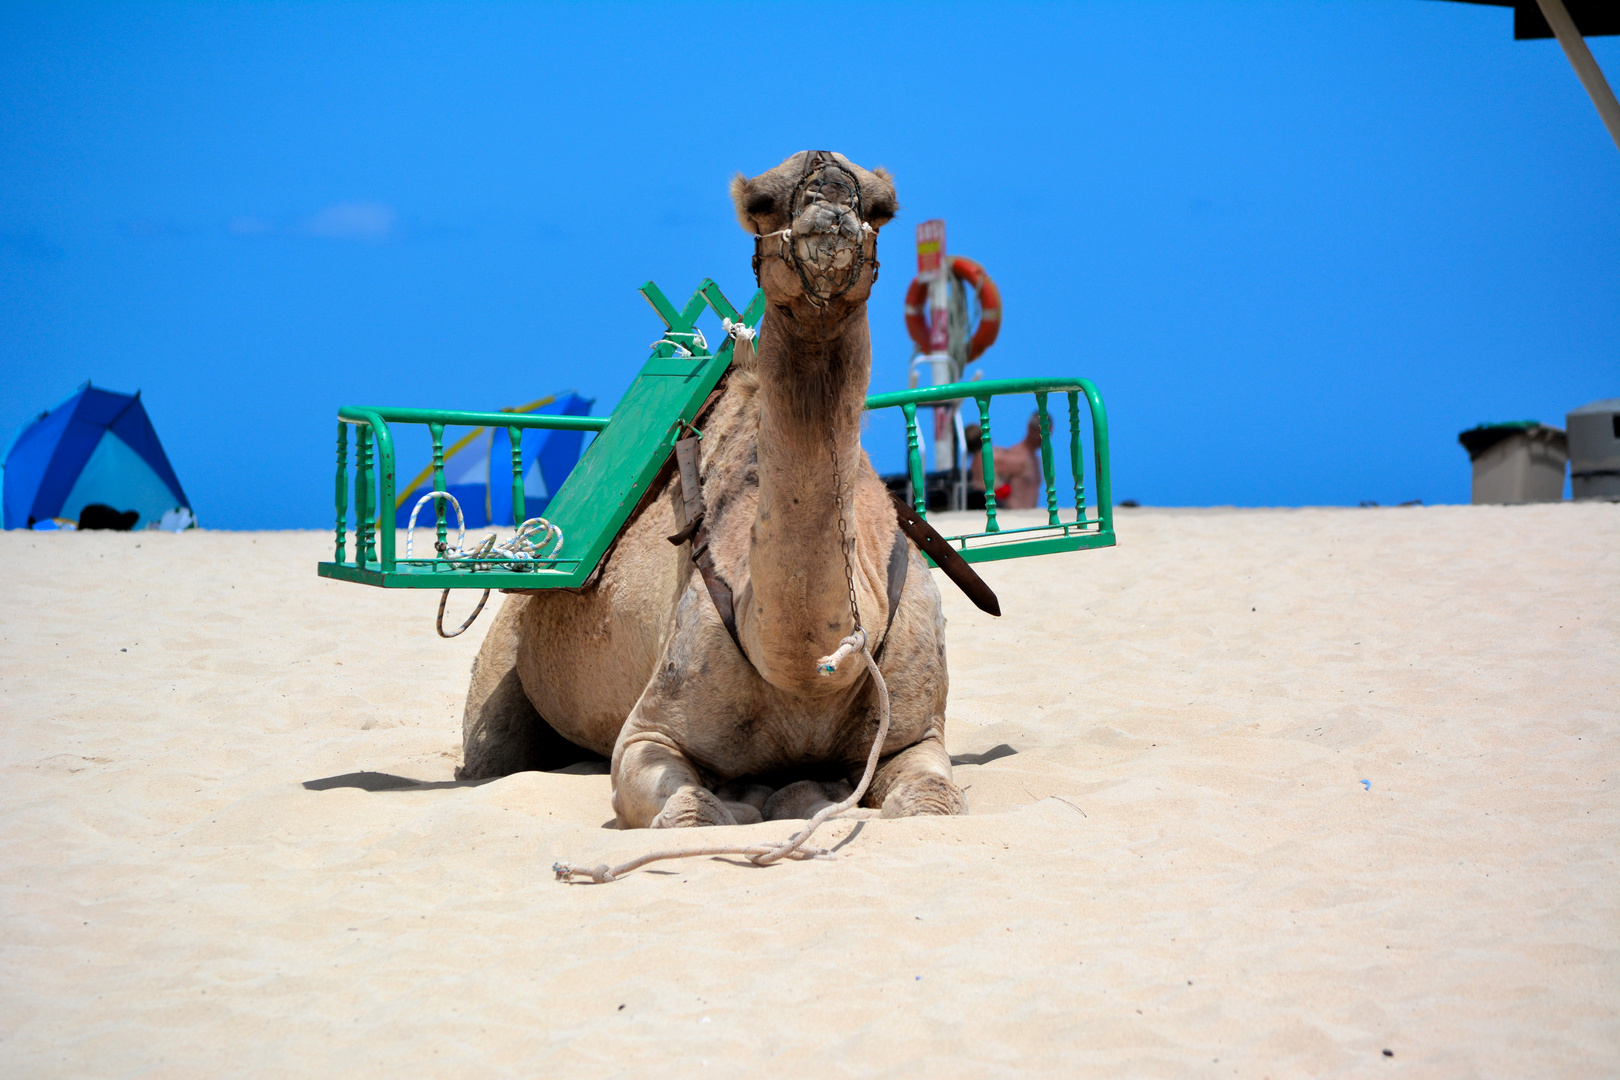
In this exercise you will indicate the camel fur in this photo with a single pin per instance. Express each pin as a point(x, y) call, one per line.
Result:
point(638, 666)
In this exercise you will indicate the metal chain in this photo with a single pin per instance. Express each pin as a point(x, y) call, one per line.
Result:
point(846, 545)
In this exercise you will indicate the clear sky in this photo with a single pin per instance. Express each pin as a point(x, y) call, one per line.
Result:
point(1298, 246)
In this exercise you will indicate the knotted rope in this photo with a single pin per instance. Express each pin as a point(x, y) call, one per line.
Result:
point(737, 331)
point(536, 540)
point(793, 847)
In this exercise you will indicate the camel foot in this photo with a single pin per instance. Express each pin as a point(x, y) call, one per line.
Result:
point(744, 813)
point(743, 791)
point(925, 795)
point(804, 799)
point(691, 808)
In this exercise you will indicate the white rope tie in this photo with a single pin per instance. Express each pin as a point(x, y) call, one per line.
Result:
point(536, 540)
point(681, 350)
point(793, 847)
point(738, 331)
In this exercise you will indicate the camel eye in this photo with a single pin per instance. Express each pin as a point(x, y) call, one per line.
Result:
point(761, 205)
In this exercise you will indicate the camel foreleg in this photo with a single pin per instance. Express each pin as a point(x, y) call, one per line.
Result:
point(655, 786)
point(917, 780)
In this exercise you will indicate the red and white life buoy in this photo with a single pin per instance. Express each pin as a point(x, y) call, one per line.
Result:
point(989, 307)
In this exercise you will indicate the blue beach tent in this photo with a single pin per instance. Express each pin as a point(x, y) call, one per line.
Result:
point(96, 447)
point(548, 458)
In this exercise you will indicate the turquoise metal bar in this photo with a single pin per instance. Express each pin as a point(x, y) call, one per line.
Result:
point(437, 431)
point(342, 489)
point(514, 435)
point(381, 484)
point(987, 462)
point(475, 419)
point(1048, 466)
point(914, 467)
point(363, 542)
point(1077, 462)
point(1099, 450)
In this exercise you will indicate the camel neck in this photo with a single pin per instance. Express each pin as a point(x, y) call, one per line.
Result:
point(811, 396)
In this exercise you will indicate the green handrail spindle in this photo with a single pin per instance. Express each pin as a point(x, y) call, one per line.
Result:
point(437, 431)
point(342, 491)
point(914, 467)
point(1077, 462)
point(515, 436)
point(1099, 449)
point(987, 464)
point(364, 544)
point(1048, 466)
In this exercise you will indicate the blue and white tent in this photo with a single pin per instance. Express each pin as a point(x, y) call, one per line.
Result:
point(96, 447)
point(548, 458)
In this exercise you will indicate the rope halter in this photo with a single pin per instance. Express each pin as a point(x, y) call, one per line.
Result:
point(827, 241)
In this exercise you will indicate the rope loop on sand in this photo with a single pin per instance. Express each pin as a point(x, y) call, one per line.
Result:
point(794, 846)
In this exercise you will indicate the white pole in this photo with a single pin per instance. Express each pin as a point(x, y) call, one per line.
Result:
point(1586, 69)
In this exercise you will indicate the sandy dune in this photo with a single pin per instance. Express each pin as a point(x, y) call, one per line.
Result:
point(1258, 793)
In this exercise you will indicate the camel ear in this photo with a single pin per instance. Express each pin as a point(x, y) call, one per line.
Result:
point(740, 199)
point(881, 205)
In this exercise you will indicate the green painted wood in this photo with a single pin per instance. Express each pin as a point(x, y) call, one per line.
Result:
point(612, 475)
point(1018, 549)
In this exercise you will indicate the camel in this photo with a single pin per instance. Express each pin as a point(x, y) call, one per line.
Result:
point(704, 727)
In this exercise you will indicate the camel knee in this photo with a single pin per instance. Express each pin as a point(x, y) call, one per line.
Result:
point(917, 780)
point(655, 786)
point(924, 795)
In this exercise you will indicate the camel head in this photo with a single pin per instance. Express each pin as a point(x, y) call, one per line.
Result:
point(815, 219)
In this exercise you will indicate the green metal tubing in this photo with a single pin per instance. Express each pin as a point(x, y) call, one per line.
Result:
point(372, 427)
point(919, 488)
point(928, 395)
point(342, 490)
point(519, 507)
point(983, 390)
point(474, 419)
point(436, 430)
point(362, 493)
point(987, 463)
point(1047, 546)
point(1077, 461)
point(1048, 466)
point(1099, 456)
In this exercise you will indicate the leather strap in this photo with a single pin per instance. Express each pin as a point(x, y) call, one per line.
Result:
point(936, 547)
point(720, 594)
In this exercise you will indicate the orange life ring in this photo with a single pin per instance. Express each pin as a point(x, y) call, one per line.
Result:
point(989, 307)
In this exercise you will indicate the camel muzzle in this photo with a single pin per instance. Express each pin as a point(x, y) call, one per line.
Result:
point(827, 243)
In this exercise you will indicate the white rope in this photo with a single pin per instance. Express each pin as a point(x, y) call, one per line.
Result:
point(739, 331)
point(533, 542)
point(793, 847)
point(697, 339)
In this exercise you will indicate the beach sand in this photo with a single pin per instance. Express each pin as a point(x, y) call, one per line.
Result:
point(1257, 793)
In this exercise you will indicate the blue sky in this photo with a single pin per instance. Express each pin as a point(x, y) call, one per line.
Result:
point(1297, 246)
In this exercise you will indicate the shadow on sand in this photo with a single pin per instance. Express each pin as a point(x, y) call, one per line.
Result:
point(995, 752)
point(381, 781)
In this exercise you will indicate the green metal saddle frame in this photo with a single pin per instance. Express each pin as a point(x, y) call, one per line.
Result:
point(632, 446)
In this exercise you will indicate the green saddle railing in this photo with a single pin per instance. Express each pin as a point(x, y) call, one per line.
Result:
point(631, 447)
point(995, 542)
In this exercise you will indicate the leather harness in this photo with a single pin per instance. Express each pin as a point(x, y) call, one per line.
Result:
point(908, 525)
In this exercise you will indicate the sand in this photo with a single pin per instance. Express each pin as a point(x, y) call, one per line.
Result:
point(1257, 793)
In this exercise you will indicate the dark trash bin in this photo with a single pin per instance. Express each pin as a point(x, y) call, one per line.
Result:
point(1521, 461)
point(1594, 450)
